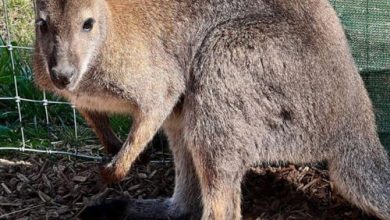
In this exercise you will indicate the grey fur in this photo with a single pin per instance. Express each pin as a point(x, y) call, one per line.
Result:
point(233, 84)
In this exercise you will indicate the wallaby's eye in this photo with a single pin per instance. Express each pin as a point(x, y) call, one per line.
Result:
point(42, 24)
point(88, 24)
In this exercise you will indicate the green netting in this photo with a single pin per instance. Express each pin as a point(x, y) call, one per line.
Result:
point(367, 24)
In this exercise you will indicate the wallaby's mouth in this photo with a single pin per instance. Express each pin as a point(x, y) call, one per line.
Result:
point(60, 81)
point(74, 83)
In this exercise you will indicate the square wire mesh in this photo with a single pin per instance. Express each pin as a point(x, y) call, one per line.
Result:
point(367, 25)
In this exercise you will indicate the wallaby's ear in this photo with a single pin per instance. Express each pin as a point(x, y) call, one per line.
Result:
point(39, 5)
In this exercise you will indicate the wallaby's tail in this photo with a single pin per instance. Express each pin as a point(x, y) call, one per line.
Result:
point(362, 175)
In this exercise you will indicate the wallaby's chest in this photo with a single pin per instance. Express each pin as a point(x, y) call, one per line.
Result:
point(101, 103)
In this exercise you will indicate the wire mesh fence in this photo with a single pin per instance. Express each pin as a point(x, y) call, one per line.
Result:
point(18, 98)
point(367, 24)
point(33, 121)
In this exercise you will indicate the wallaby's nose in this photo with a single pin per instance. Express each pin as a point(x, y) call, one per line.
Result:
point(61, 77)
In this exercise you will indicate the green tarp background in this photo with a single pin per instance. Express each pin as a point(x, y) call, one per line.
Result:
point(367, 25)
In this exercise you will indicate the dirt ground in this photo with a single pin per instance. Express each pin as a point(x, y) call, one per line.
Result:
point(47, 187)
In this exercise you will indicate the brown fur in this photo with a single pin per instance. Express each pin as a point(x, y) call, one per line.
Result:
point(232, 83)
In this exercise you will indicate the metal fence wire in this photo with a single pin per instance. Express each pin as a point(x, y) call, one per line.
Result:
point(18, 99)
point(30, 119)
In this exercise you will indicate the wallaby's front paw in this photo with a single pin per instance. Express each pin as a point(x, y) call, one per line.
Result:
point(112, 174)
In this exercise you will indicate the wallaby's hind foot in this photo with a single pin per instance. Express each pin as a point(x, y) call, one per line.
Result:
point(126, 209)
point(363, 176)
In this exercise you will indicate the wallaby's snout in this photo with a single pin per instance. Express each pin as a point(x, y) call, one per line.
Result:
point(62, 75)
point(61, 65)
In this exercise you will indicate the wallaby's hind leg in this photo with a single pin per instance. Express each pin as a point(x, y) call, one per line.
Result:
point(186, 199)
point(220, 181)
point(361, 173)
point(222, 201)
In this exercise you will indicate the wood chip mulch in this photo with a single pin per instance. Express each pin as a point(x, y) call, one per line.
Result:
point(47, 187)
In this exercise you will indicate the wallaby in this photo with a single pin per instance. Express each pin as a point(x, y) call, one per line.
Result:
point(232, 83)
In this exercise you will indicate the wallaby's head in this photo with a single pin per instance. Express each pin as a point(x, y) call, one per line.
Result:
point(69, 35)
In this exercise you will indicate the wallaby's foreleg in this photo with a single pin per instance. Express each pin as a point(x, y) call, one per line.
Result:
point(361, 173)
point(184, 204)
point(100, 124)
point(143, 130)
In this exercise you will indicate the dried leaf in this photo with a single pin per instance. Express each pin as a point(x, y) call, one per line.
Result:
point(79, 179)
point(44, 197)
point(46, 180)
point(142, 175)
point(6, 189)
point(22, 177)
